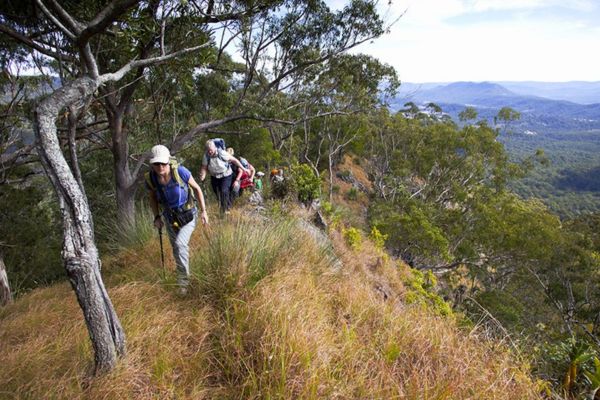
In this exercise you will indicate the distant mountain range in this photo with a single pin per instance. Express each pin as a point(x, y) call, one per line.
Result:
point(538, 112)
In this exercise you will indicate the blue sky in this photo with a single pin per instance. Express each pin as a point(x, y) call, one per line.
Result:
point(492, 40)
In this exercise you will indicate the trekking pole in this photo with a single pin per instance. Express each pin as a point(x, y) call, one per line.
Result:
point(162, 252)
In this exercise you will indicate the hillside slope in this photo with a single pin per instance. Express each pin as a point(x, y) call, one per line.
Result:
point(276, 311)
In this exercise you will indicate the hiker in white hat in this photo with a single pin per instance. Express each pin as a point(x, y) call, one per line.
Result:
point(169, 185)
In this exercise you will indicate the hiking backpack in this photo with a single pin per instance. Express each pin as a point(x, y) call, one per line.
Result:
point(152, 182)
point(220, 143)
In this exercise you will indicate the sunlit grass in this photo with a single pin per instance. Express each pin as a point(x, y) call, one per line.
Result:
point(268, 318)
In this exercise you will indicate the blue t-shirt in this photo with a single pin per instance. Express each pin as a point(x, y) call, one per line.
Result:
point(175, 195)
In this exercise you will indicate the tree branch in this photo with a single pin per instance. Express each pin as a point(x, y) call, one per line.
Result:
point(115, 76)
point(33, 44)
point(104, 18)
point(55, 20)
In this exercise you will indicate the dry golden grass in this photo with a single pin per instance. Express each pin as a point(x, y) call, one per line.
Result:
point(287, 326)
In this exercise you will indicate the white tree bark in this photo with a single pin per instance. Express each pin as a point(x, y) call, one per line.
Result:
point(5, 293)
point(80, 253)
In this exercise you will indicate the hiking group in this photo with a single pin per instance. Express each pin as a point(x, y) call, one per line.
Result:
point(172, 189)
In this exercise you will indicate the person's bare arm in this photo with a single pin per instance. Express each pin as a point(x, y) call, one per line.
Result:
point(203, 171)
point(158, 223)
point(200, 196)
point(252, 172)
point(239, 165)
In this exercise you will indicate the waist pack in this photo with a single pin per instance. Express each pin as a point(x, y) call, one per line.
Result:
point(180, 217)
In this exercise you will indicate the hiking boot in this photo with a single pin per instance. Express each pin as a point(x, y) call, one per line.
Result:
point(182, 291)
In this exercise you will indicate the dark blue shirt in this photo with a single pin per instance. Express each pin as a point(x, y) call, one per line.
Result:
point(175, 195)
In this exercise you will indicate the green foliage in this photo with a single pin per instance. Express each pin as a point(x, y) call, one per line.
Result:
point(353, 237)
point(507, 309)
point(352, 194)
point(414, 225)
point(567, 180)
point(334, 214)
point(594, 377)
point(469, 113)
point(378, 238)
point(565, 361)
point(421, 291)
point(305, 183)
point(256, 147)
point(507, 114)
point(30, 228)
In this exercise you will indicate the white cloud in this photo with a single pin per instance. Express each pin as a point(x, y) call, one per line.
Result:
point(424, 46)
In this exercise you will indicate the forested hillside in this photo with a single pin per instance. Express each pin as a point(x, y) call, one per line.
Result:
point(390, 254)
point(567, 132)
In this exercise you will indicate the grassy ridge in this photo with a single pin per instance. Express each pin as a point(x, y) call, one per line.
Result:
point(268, 317)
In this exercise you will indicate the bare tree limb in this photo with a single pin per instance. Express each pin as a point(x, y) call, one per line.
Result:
point(65, 17)
point(115, 76)
point(33, 44)
point(55, 20)
point(104, 18)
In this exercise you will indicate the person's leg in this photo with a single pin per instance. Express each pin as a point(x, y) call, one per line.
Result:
point(225, 188)
point(216, 185)
point(181, 250)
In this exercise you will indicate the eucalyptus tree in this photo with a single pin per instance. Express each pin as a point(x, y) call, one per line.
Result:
point(331, 104)
point(80, 254)
point(93, 45)
point(274, 41)
point(442, 198)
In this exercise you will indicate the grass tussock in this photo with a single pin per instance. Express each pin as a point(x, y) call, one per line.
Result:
point(268, 318)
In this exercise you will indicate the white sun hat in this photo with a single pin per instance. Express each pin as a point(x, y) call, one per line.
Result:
point(160, 154)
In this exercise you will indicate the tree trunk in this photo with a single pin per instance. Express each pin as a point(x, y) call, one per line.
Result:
point(5, 294)
point(80, 253)
point(125, 182)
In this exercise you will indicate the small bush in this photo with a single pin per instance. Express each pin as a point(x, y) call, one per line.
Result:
point(345, 174)
point(378, 238)
point(353, 238)
point(305, 183)
point(352, 194)
point(421, 291)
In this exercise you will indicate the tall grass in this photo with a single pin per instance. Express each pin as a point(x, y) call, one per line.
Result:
point(269, 318)
point(237, 255)
point(116, 237)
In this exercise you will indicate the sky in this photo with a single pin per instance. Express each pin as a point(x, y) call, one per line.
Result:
point(492, 40)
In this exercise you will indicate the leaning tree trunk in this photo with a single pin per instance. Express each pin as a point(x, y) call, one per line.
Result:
point(80, 254)
point(5, 294)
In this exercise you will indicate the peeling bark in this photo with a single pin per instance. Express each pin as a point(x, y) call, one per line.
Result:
point(80, 254)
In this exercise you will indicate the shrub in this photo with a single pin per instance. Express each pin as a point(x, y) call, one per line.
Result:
point(305, 183)
point(378, 238)
point(353, 238)
point(421, 291)
point(352, 194)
